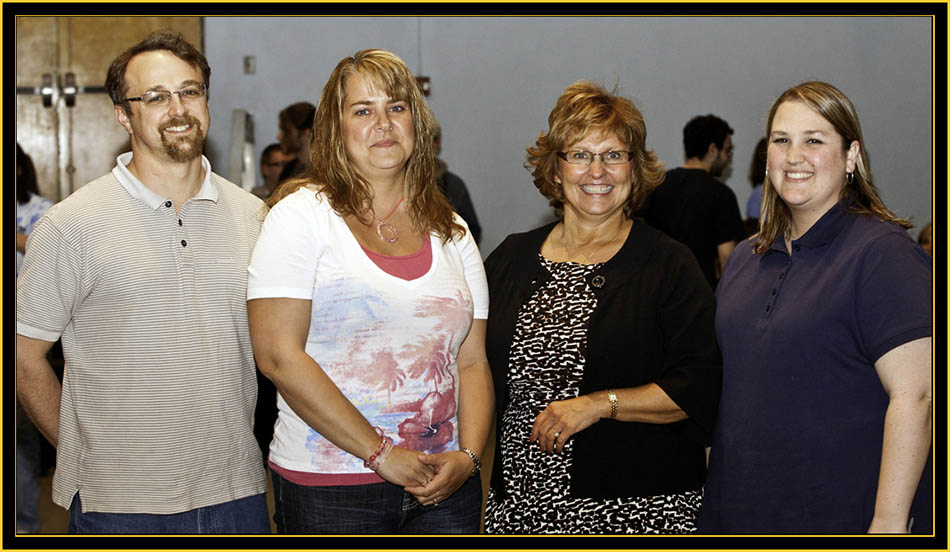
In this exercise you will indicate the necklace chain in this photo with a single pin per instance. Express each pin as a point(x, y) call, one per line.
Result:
point(387, 232)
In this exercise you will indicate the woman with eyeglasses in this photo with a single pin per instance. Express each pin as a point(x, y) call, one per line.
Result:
point(601, 342)
point(367, 302)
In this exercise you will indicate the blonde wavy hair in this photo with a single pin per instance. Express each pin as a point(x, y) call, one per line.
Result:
point(584, 108)
point(858, 196)
point(333, 174)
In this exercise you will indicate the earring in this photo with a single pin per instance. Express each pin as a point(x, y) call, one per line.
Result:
point(850, 177)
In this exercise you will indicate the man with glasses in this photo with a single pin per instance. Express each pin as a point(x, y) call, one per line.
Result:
point(143, 274)
point(692, 206)
point(273, 161)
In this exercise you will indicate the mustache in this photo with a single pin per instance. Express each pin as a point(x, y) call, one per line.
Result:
point(181, 121)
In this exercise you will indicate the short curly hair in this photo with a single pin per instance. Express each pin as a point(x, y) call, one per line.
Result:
point(586, 107)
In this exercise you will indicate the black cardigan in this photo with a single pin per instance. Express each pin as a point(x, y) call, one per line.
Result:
point(653, 323)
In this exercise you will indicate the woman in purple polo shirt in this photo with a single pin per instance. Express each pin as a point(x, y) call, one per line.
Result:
point(824, 320)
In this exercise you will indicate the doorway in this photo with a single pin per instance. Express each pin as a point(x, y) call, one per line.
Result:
point(64, 119)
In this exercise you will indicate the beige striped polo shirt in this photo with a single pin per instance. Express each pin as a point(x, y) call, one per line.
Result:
point(159, 387)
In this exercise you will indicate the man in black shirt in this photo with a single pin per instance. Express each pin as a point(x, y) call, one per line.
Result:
point(455, 190)
point(692, 206)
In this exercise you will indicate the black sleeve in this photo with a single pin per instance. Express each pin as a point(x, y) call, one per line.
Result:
point(461, 201)
point(728, 223)
point(692, 375)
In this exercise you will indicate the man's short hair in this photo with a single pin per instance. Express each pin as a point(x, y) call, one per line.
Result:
point(265, 155)
point(703, 130)
point(162, 39)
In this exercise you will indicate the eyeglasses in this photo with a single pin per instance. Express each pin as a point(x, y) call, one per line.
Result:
point(159, 98)
point(581, 157)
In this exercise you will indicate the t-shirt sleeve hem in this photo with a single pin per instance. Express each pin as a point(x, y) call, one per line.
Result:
point(899, 339)
point(275, 292)
point(36, 333)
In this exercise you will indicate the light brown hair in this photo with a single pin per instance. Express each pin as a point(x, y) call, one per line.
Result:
point(857, 196)
point(332, 172)
point(584, 108)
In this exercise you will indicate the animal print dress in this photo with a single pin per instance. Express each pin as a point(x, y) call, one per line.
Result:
point(546, 363)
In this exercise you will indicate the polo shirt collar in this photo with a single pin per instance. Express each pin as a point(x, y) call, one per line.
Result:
point(822, 232)
point(140, 191)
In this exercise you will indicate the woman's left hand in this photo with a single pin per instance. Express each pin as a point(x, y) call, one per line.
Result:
point(562, 419)
point(452, 469)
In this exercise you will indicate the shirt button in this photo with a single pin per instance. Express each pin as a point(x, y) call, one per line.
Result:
point(780, 276)
point(179, 222)
point(768, 308)
point(598, 281)
point(184, 243)
point(773, 292)
point(168, 203)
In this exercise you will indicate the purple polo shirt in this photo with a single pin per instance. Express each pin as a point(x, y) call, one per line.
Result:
point(797, 444)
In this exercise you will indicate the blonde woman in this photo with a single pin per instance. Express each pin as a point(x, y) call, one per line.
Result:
point(367, 303)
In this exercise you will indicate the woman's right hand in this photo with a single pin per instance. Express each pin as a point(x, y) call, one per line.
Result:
point(405, 467)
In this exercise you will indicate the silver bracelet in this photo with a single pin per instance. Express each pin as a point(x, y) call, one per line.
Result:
point(476, 465)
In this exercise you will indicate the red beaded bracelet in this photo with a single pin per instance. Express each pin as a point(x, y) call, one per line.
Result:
point(382, 452)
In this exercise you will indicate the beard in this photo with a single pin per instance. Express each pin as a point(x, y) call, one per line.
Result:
point(185, 148)
point(719, 169)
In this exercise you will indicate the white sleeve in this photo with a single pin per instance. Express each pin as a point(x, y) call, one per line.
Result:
point(474, 271)
point(287, 253)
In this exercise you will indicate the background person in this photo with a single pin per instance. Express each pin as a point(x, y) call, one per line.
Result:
point(273, 161)
point(692, 206)
point(143, 274)
point(455, 190)
point(367, 300)
point(824, 321)
point(30, 206)
point(757, 168)
point(295, 133)
point(601, 342)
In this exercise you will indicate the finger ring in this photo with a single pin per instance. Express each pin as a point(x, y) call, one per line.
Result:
point(435, 503)
point(556, 435)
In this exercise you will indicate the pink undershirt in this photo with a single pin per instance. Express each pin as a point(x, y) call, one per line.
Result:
point(407, 267)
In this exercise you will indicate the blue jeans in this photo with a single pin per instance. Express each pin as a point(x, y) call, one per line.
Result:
point(28, 473)
point(377, 508)
point(244, 516)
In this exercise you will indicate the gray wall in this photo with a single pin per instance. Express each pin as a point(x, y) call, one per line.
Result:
point(494, 81)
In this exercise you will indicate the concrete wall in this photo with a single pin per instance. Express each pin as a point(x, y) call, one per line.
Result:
point(495, 79)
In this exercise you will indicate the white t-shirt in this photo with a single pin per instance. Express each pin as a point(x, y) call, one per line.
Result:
point(389, 344)
point(26, 216)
